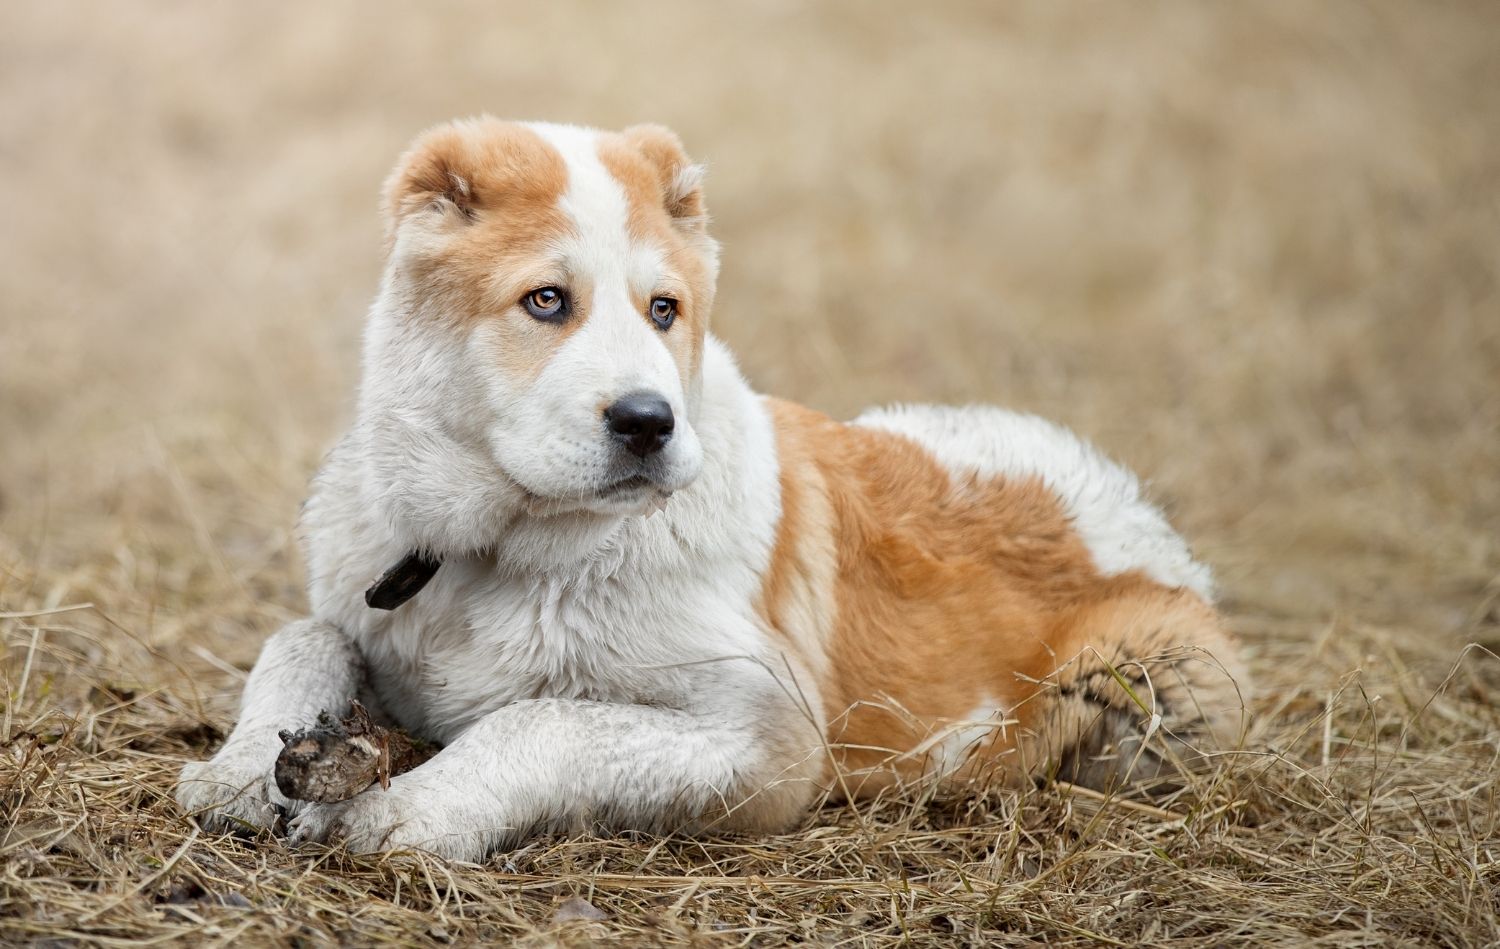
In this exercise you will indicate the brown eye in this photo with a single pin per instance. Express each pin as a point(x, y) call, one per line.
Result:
point(663, 312)
point(547, 303)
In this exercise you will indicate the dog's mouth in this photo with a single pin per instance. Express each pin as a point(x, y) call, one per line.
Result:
point(631, 493)
point(626, 486)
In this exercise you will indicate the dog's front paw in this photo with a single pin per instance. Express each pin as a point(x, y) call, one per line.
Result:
point(229, 793)
point(379, 819)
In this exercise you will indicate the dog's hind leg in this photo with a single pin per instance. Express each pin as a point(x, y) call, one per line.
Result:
point(1144, 684)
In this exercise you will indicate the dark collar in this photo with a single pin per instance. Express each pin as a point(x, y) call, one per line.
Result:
point(402, 582)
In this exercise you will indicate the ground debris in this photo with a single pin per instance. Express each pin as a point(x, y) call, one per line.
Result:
point(339, 757)
point(577, 908)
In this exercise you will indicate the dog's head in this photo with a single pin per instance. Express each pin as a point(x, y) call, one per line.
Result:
point(538, 341)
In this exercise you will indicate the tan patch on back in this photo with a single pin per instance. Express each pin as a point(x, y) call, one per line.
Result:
point(476, 203)
point(947, 597)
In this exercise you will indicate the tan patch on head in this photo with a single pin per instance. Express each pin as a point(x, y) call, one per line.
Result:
point(664, 197)
point(474, 206)
point(946, 597)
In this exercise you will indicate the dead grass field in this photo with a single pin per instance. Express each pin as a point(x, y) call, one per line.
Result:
point(1252, 249)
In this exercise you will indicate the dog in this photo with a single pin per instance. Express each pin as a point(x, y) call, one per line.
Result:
point(567, 542)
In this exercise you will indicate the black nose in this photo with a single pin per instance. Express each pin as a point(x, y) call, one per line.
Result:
point(642, 421)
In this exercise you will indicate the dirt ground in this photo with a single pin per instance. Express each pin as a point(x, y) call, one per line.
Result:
point(1253, 250)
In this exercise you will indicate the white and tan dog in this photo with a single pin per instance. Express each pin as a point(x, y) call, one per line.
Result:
point(662, 601)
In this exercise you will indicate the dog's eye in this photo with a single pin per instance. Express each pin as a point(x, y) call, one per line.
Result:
point(548, 303)
point(663, 312)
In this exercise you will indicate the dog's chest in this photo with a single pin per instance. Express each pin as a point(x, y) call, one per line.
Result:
point(472, 643)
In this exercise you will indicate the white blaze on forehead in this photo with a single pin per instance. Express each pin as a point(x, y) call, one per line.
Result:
point(616, 350)
point(600, 250)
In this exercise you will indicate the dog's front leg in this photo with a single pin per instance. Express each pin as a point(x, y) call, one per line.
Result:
point(307, 667)
point(566, 765)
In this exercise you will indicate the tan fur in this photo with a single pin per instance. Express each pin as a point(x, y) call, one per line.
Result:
point(948, 597)
point(1171, 649)
point(479, 202)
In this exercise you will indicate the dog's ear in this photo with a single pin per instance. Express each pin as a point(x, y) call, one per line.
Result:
point(435, 174)
point(681, 180)
point(455, 173)
point(434, 177)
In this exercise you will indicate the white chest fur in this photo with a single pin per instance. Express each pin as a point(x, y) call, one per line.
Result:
point(477, 639)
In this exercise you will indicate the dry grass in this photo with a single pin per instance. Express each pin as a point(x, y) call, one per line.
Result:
point(1250, 248)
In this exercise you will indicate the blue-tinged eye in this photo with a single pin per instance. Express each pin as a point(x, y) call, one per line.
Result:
point(548, 303)
point(663, 312)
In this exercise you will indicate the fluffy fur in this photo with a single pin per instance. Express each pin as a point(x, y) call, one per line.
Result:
point(772, 607)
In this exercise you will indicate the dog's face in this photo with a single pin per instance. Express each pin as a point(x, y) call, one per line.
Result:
point(544, 313)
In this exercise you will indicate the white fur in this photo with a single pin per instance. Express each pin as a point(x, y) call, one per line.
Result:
point(949, 748)
point(581, 660)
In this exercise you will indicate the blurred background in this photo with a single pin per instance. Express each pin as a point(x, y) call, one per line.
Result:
point(1253, 250)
